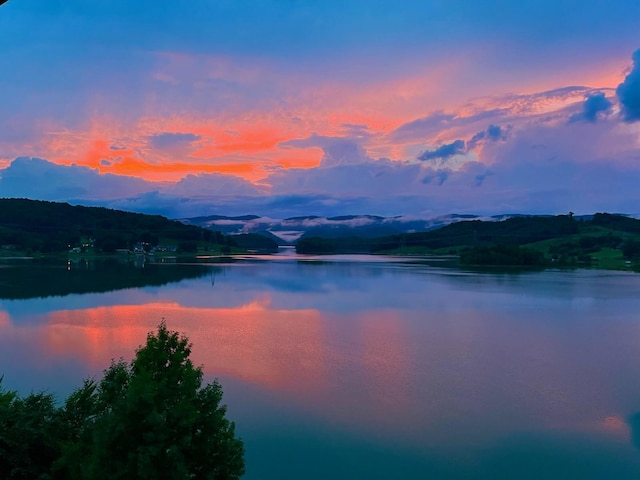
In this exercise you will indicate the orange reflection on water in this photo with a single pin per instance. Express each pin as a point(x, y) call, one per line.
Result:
point(4, 319)
point(300, 354)
point(280, 349)
point(617, 427)
point(377, 370)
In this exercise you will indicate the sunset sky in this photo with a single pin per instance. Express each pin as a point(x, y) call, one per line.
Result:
point(322, 107)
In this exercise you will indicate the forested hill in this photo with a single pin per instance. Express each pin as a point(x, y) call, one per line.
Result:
point(514, 231)
point(608, 239)
point(48, 227)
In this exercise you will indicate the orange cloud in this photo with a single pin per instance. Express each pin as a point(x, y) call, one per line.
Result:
point(242, 149)
point(243, 139)
point(177, 170)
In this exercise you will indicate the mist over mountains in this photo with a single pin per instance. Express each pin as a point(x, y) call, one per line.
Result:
point(287, 231)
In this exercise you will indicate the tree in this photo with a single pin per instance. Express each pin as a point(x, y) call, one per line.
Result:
point(29, 435)
point(187, 247)
point(315, 245)
point(631, 248)
point(151, 419)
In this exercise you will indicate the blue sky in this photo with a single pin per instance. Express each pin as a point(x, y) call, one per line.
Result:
point(322, 107)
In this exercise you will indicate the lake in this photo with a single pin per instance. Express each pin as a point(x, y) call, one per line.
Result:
point(362, 367)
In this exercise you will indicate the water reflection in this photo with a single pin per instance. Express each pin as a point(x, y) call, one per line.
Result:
point(443, 372)
point(56, 278)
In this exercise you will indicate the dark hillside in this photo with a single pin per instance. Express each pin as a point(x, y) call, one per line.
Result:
point(513, 231)
point(603, 240)
point(48, 227)
point(620, 223)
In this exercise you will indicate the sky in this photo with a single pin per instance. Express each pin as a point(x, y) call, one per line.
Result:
point(321, 107)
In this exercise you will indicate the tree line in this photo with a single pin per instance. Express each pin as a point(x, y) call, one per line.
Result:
point(36, 226)
point(514, 241)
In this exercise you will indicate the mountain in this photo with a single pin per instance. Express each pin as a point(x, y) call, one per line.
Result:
point(289, 230)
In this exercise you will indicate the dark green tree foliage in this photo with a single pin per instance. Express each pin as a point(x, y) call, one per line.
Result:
point(513, 231)
point(148, 419)
point(29, 435)
point(187, 247)
point(51, 227)
point(47, 280)
point(153, 419)
point(316, 245)
point(579, 250)
point(631, 249)
point(503, 255)
point(319, 245)
point(256, 242)
point(617, 222)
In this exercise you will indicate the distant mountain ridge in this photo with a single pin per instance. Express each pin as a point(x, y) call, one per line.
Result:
point(288, 231)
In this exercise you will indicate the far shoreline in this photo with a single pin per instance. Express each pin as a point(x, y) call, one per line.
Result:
point(452, 259)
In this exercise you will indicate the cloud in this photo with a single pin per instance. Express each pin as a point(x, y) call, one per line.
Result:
point(439, 122)
point(278, 206)
point(39, 179)
point(212, 184)
point(422, 127)
point(493, 133)
point(440, 176)
point(444, 151)
point(520, 154)
point(504, 109)
point(359, 131)
point(500, 168)
point(595, 103)
point(168, 140)
point(337, 150)
point(629, 91)
point(367, 178)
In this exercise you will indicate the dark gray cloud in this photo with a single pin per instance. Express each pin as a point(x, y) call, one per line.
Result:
point(444, 151)
point(629, 91)
point(168, 140)
point(493, 133)
point(440, 176)
point(595, 103)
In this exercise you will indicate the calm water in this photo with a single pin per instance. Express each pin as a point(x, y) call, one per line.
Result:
point(364, 369)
